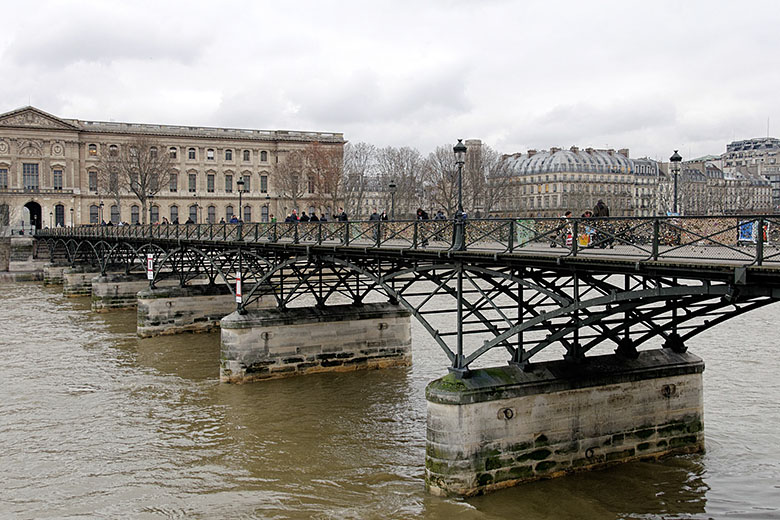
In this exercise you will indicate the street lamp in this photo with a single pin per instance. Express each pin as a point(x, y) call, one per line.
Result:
point(151, 206)
point(675, 160)
point(240, 185)
point(51, 217)
point(459, 244)
point(71, 217)
point(392, 187)
point(101, 212)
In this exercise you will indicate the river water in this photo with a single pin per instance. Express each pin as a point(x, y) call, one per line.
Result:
point(96, 423)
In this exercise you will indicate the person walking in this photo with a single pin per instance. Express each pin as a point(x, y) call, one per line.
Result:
point(374, 216)
point(342, 215)
point(603, 238)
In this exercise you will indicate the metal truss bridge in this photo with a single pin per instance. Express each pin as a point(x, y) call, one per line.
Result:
point(519, 286)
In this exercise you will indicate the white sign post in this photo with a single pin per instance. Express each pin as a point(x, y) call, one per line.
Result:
point(238, 288)
point(149, 266)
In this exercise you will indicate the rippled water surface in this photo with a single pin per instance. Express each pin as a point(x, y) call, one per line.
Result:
point(96, 423)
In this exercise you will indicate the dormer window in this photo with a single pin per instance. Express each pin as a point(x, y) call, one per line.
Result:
point(93, 150)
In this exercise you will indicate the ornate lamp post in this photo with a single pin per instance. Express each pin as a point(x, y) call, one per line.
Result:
point(459, 244)
point(392, 187)
point(100, 207)
point(675, 160)
point(71, 217)
point(240, 185)
point(51, 219)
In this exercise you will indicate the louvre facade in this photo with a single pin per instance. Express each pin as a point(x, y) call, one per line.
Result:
point(49, 171)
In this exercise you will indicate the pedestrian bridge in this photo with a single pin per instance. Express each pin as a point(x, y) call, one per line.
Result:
point(520, 285)
point(613, 302)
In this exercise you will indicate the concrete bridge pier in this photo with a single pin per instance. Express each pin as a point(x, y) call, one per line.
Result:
point(115, 291)
point(53, 274)
point(193, 308)
point(77, 281)
point(274, 343)
point(503, 426)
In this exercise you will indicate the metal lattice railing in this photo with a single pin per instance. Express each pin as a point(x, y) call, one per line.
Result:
point(747, 239)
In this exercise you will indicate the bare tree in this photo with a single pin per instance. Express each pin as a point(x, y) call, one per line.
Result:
point(441, 179)
point(404, 167)
point(359, 168)
point(487, 179)
point(291, 177)
point(140, 168)
point(325, 169)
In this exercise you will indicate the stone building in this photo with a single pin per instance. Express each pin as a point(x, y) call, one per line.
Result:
point(547, 183)
point(49, 171)
point(755, 157)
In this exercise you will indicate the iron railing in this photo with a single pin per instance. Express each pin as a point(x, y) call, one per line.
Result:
point(748, 239)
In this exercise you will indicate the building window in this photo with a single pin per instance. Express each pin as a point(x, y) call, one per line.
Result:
point(210, 183)
point(191, 154)
point(229, 183)
point(93, 214)
point(57, 174)
point(134, 215)
point(30, 176)
point(247, 213)
point(264, 184)
point(194, 213)
point(115, 214)
point(247, 183)
point(154, 214)
point(173, 182)
point(264, 214)
point(192, 182)
point(210, 154)
point(311, 184)
point(228, 155)
point(228, 213)
point(113, 150)
point(93, 150)
point(212, 214)
point(264, 156)
point(153, 152)
point(246, 155)
point(174, 214)
point(59, 215)
point(3, 178)
point(172, 152)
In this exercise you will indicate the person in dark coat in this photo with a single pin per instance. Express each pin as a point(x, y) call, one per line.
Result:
point(314, 218)
point(374, 216)
point(383, 216)
point(342, 215)
point(601, 209)
point(304, 217)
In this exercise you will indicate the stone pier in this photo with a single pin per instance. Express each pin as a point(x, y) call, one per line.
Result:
point(194, 308)
point(503, 426)
point(116, 291)
point(277, 343)
point(5, 253)
point(53, 274)
point(77, 281)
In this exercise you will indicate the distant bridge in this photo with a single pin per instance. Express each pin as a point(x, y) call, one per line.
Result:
point(520, 285)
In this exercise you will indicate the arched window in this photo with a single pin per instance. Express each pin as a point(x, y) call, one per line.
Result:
point(113, 150)
point(191, 154)
point(212, 214)
point(93, 149)
point(93, 214)
point(194, 213)
point(153, 152)
point(115, 214)
point(264, 213)
point(174, 214)
point(59, 215)
point(247, 155)
point(134, 215)
point(247, 213)
point(228, 213)
point(172, 152)
point(210, 154)
point(228, 155)
point(264, 156)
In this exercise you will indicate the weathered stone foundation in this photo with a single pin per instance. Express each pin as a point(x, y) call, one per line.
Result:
point(281, 343)
point(503, 426)
point(173, 310)
point(77, 281)
point(117, 291)
point(53, 274)
point(5, 253)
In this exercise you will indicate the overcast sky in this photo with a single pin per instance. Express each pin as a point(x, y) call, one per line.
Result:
point(651, 76)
